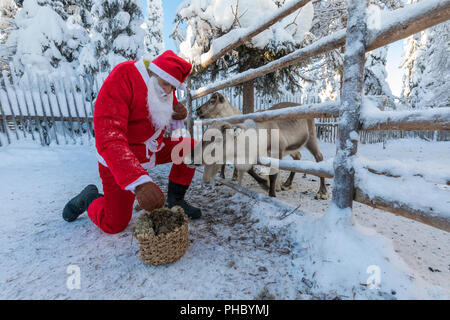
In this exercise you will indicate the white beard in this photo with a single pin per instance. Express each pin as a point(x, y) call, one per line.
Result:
point(160, 104)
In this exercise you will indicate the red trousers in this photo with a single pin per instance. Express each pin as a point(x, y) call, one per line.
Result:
point(112, 213)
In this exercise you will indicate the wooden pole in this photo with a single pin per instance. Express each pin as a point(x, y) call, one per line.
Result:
point(323, 110)
point(431, 119)
point(402, 23)
point(5, 125)
point(41, 92)
point(404, 210)
point(38, 123)
point(300, 166)
point(257, 196)
point(352, 96)
point(12, 88)
point(11, 108)
point(190, 122)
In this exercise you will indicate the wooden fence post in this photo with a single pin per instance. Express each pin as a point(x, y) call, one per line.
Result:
point(352, 94)
point(4, 124)
point(190, 121)
point(11, 106)
point(38, 122)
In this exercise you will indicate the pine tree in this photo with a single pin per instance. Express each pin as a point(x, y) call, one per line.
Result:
point(413, 65)
point(208, 20)
point(8, 10)
point(154, 41)
point(43, 40)
point(331, 16)
point(435, 80)
point(117, 35)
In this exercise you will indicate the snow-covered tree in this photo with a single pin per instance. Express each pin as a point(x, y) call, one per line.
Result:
point(154, 41)
point(43, 41)
point(331, 16)
point(8, 10)
point(425, 85)
point(435, 79)
point(116, 35)
point(375, 73)
point(208, 20)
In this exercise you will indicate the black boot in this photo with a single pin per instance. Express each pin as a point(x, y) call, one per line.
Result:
point(79, 204)
point(175, 197)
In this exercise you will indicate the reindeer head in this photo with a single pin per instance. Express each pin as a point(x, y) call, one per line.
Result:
point(216, 107)
point(218, 147)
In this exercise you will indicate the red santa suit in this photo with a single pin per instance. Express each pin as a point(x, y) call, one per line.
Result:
point(127, 142)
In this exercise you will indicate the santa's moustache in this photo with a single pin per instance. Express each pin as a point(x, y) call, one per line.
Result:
point(159, 104)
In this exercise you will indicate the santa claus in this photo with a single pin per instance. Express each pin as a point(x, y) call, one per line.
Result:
point(135, 106)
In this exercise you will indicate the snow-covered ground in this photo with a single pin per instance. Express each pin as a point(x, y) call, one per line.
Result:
point(238, 250)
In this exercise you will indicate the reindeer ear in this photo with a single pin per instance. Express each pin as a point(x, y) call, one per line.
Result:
point(224, 126)
point(221, 98)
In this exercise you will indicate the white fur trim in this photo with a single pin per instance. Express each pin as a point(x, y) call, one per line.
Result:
point(140, 65)
point(165, 76)
point(100, 159)
point(141, 180)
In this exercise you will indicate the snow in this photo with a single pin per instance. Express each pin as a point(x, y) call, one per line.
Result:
point(40, 35)
point(116, 36)
point(235, 19)
point(409, 189)
point(371, 115)
point(237, 249)
point(295, 56)
point(154, 42)
point(323, 166)
point(374, 14)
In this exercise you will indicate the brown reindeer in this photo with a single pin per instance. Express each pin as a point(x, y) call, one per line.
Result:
point(293, 134)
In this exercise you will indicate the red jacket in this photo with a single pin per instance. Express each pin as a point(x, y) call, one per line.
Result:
point(122, 122)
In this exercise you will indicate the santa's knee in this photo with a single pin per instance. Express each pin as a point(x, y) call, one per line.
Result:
point(115, 228)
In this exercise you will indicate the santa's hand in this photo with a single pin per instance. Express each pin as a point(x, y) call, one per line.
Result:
point(179, 112)
point(149, 196)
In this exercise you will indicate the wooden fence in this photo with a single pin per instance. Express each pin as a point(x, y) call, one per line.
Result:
point(357, 39)
point(327, 129)
point(32, 109)
point(47, 109)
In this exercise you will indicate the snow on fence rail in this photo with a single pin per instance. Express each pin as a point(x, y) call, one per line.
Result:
point(350, 182)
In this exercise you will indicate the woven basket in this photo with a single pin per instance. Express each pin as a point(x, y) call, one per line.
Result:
point(165, 248)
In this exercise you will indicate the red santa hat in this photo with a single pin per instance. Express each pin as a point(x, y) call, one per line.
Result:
point(171, 68)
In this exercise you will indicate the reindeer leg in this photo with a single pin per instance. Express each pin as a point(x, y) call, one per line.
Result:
point(288, 184)
point(313, 147)
point(222, 172)
point(262, 182)
point(273, 182)
point(222, 175)
point(235, 174)
point(240, 176)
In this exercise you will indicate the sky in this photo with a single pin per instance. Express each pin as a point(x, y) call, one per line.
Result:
point(394, 58)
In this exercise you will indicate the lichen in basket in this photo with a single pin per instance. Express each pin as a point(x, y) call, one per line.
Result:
point(160, 221)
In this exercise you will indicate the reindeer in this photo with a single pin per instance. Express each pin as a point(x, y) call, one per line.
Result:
point(294, 134)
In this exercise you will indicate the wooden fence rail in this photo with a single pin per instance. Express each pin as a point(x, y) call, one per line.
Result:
point(57, 109)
